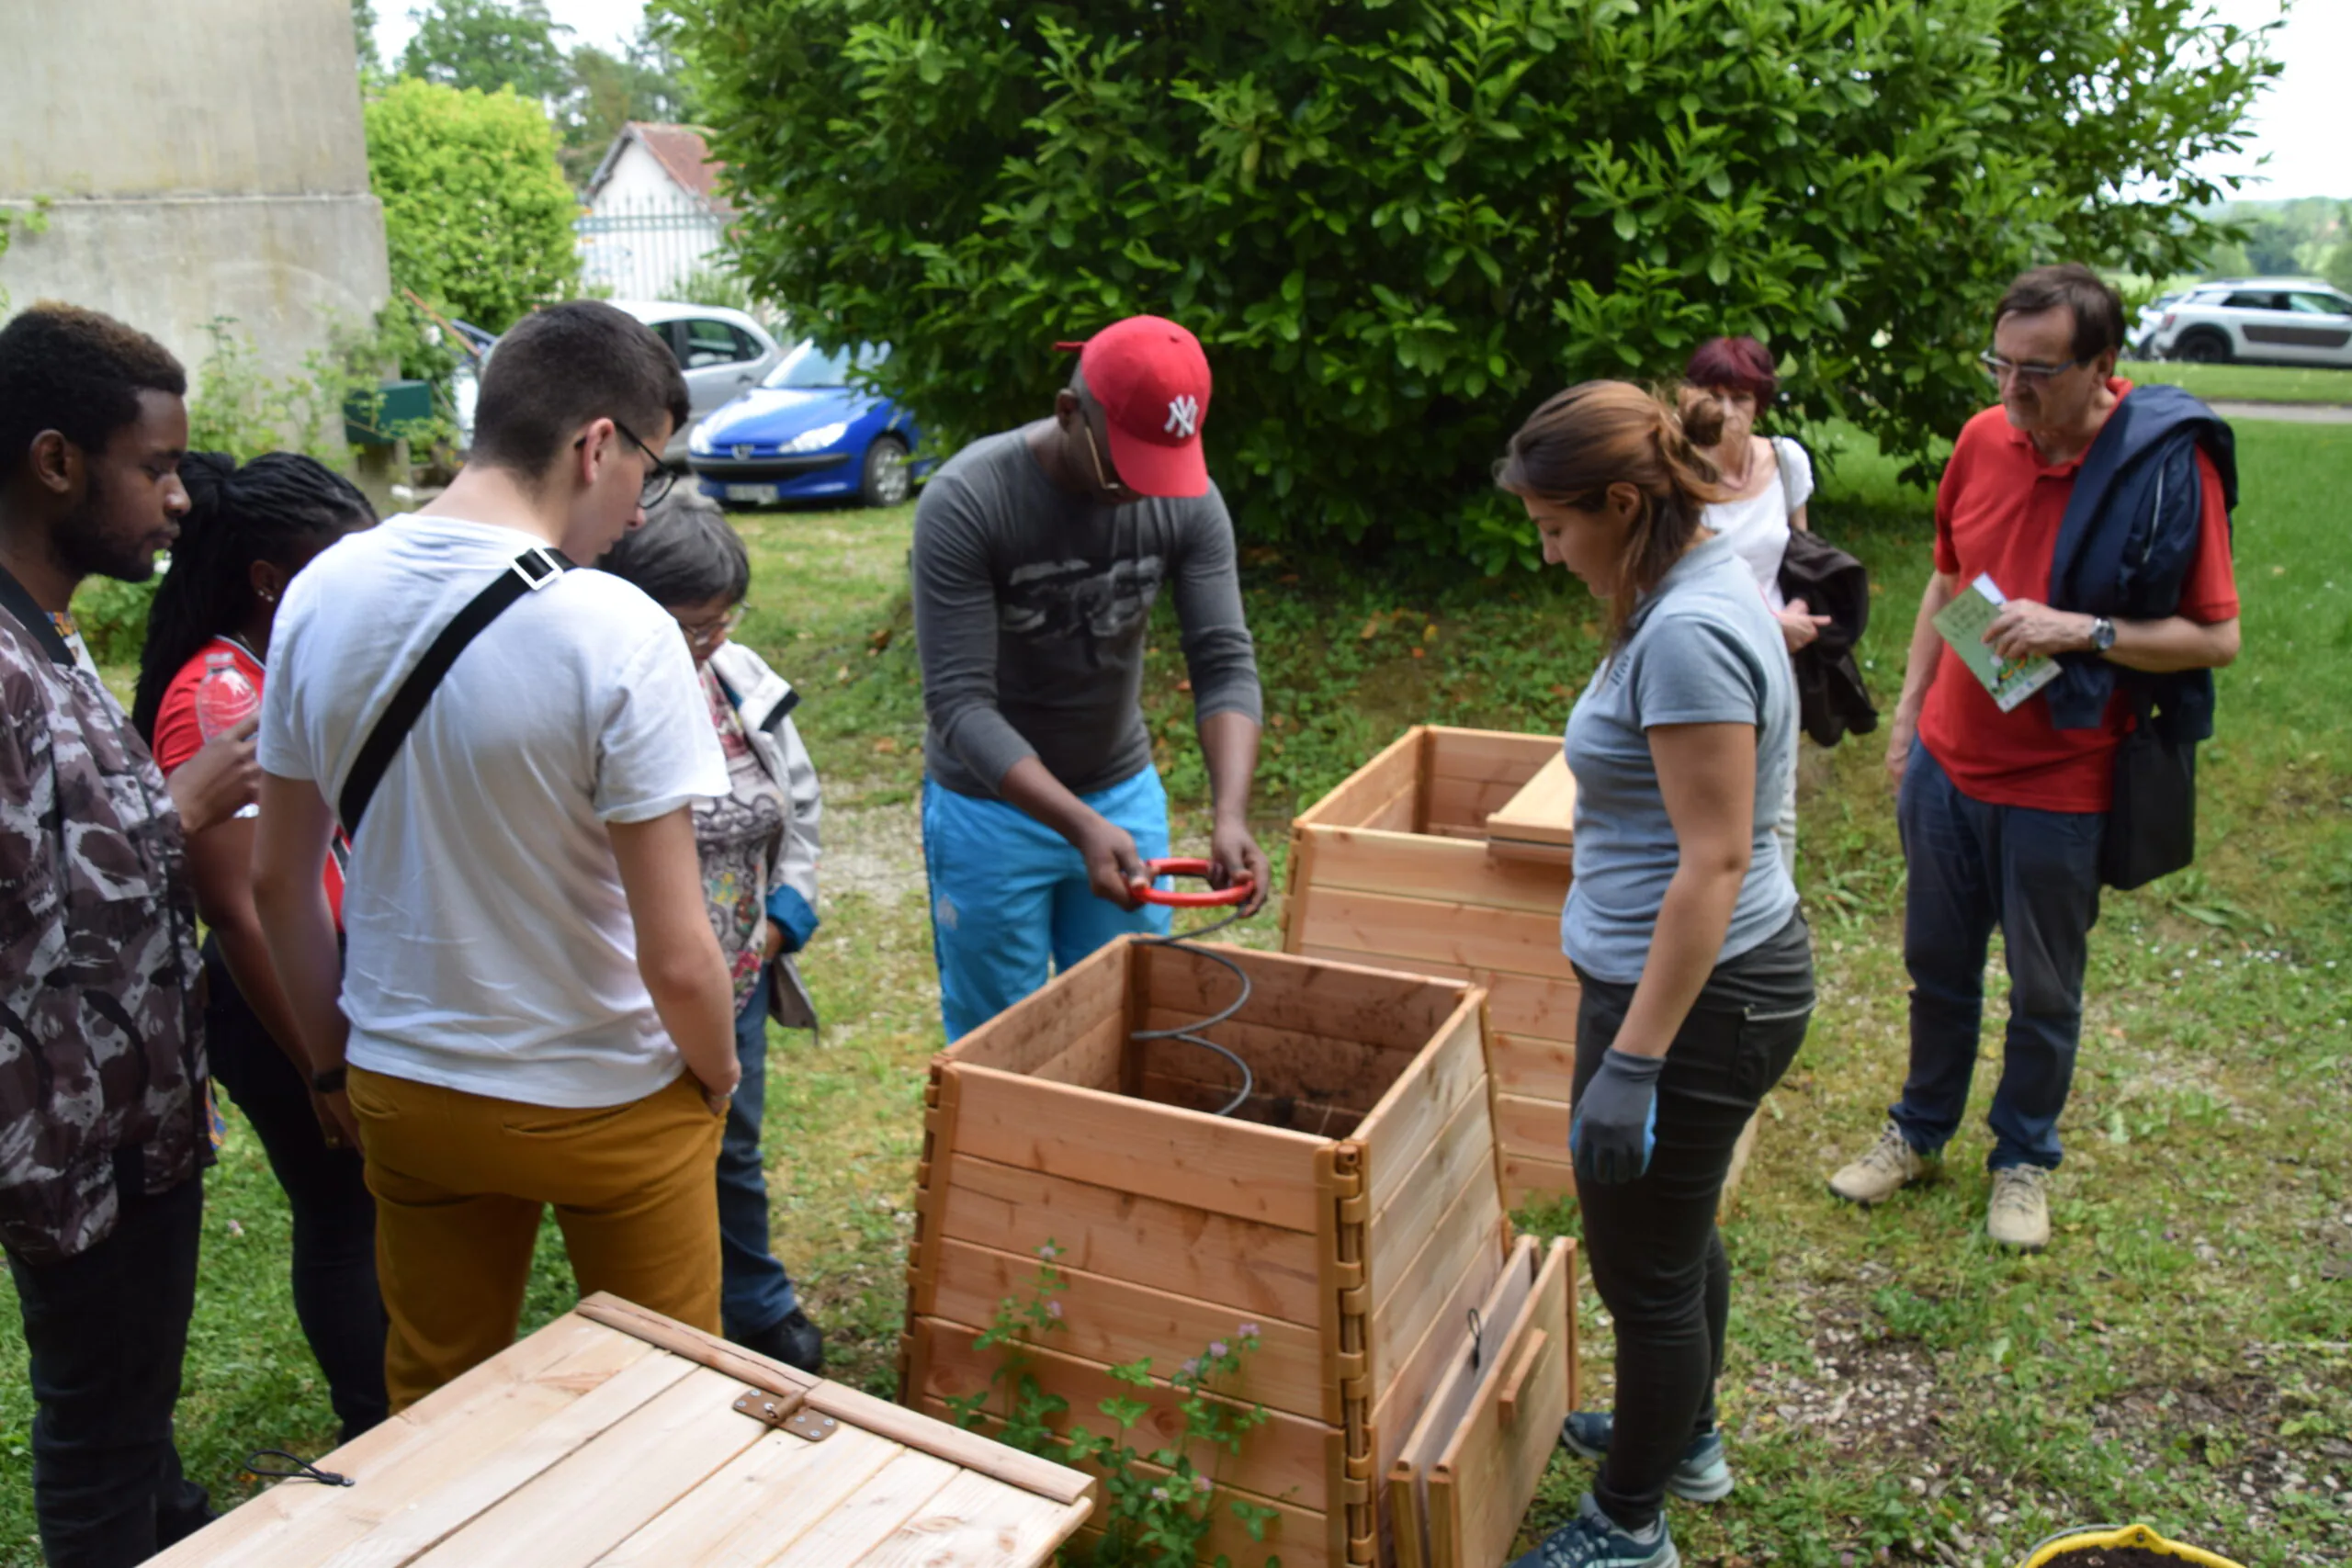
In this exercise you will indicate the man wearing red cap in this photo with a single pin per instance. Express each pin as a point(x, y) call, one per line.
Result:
point(1038, 555)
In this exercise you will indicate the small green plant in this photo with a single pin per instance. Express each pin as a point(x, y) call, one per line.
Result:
point(1159, 1505)
point(33, 220)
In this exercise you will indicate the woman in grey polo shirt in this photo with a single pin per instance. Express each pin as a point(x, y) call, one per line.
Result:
point(1681, 922)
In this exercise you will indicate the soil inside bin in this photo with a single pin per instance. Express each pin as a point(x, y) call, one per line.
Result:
point(2113, 1557)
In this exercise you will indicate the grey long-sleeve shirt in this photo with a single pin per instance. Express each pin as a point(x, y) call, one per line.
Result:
point(1031, 606)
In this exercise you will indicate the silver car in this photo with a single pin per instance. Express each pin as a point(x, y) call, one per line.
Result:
point(2257, 321)
point(723, 352)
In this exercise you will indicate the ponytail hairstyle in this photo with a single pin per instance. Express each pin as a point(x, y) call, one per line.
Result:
point(1606, 433)
point(267, 511)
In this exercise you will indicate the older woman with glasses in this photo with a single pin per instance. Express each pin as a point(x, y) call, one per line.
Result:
point(758, 844)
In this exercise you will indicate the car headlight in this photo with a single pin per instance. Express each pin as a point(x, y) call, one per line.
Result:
point(699, 442)
point(817, 440)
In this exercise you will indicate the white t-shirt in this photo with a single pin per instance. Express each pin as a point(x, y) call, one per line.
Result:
point(490, 943)
point(1757, 528)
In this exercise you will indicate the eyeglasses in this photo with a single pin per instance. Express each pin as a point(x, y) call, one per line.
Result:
point(2034, 375)
point(710, 634)
point(658, 477)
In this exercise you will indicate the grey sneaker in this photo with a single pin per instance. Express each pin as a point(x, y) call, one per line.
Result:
point(1592, 1539)
point(2018, 1216)
point(1888, 1167)
point(1702, 1476)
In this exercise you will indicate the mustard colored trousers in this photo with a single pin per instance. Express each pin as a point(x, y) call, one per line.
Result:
point(462, 1180)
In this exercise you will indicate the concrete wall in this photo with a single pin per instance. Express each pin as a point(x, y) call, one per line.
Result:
point(202, 158)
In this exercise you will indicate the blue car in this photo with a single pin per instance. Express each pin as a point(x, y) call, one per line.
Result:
point(807, 433)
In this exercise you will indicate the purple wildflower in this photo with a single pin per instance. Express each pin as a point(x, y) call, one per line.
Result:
point(1160, 1493)
point(1053, 1309)
point(1199, 1483)
point(1249, 1331)
point(1217, 1348)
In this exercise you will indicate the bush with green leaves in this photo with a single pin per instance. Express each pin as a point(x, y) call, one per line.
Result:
point(476, 215)
point(1398, 224)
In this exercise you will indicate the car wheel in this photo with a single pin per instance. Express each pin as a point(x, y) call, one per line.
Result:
point(2203, 349)
point(887, 478)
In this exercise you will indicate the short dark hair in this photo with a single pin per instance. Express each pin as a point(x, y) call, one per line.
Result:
point(1733, 364)
point(78, 373)
point(559, 367)
point(685, 554)
point(2097, 308)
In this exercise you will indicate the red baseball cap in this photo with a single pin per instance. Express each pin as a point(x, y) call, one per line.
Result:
point(1152, 380)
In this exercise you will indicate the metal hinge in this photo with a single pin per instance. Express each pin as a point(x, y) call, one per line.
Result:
point(786, 1412)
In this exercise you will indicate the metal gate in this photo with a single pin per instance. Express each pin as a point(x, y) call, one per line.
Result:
point(643, 248)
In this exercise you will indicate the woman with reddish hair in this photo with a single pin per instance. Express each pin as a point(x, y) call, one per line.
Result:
point(1766, 483)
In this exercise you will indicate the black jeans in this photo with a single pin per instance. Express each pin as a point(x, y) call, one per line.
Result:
point(1655, 1256)
point(107, 1331)
point(335, 1298)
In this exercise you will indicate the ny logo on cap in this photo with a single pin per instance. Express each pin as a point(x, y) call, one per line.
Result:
point(1183, 416)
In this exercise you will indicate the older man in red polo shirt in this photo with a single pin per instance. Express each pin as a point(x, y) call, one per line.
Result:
point(2003, 814)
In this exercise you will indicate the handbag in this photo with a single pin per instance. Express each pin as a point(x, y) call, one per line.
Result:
point(2150, 827)
point(527, 574)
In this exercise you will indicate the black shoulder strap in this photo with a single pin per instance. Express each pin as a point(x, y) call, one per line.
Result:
point(527, 573)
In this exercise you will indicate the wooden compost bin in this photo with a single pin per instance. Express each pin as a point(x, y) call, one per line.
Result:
point(622, 1439)
point(1397, 868)
point(1350, 1208)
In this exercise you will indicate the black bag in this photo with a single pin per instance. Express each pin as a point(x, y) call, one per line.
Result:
point(527, 574)
point(2151, 824)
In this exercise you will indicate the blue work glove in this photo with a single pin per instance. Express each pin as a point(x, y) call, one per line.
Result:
point(1615, 1126)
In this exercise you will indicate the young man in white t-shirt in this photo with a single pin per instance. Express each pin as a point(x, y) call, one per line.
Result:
point(531, 1009)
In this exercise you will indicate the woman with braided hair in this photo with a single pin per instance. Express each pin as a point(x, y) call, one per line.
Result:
point(1681, 922)
point(248, 530)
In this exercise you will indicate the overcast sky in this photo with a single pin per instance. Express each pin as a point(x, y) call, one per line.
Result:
point(2304, 123)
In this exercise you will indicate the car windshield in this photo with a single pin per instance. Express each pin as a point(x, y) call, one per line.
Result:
point(809, 366)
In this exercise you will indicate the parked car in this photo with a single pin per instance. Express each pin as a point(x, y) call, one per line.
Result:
point(2137, 341)
point(2257, 320)
point(722, 352)
point(806, 432)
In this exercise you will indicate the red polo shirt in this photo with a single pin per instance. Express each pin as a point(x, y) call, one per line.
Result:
point(1998, 513)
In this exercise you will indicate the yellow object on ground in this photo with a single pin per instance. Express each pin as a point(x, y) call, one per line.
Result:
point(2092, 1537)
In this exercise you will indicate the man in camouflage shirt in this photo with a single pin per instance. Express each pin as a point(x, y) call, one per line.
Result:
point(103, 1127)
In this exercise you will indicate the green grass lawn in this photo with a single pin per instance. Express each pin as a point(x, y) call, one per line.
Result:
point(2183, 1354)
point(2249, 383)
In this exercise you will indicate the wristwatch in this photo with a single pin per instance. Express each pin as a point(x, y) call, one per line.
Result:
point(328, 1082)
point(2102, 634)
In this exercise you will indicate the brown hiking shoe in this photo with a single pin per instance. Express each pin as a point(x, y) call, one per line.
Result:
point(2018, 1216)
point(1888, 1167)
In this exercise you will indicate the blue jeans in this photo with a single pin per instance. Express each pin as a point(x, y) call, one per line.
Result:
point(2035, 875)
point(755, 1293)
point(1009, 902)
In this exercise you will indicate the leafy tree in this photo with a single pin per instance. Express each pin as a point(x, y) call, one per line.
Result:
point(476, 215)
point(1397, 224)
point(489, 44)
point(647, 83)
point(363, 37)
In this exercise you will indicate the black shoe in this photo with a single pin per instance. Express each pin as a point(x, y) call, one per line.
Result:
point(792, 1339)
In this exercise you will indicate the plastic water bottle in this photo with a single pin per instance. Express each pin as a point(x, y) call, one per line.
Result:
point(224, 698)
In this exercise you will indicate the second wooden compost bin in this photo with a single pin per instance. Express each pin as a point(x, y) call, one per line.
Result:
point(1397, 868)
point(1350, 1209)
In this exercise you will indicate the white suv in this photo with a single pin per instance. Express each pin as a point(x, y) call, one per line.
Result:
point(2260, 321)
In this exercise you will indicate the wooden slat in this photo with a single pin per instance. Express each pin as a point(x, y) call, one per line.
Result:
point(1362, 791)
point(1530, 1067)
point(1290, 1114)
point(1420, 866)
point(1424, 931)
point(1238, 1168)
point(1527, 1179)
point(843, 1402)
point(1024, 1037)
point(1344, 1000)
point(1260, 1270)
point(1473, 1238)
point(1464, 803)
point(510, 1406)
point(1399, 812)
point(759, 1502)
point(1321, 1068)
point(582, 1508)
point(1301, 1539)
point(1544, 811)
point(1465, 1147)
point(870, 1516)
point(1540, 1007)
point(1284, 1456)
point(973, 1522)
point(1482, 1485)
point(1497, 755)
point(1093, 1060)
point(1408, 1476)
point(1399, 1399)
point(1538, 1128)
point(1422, 1101)
point(1110, 1321)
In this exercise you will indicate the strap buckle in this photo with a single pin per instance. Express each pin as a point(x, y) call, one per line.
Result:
point(548, 567)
